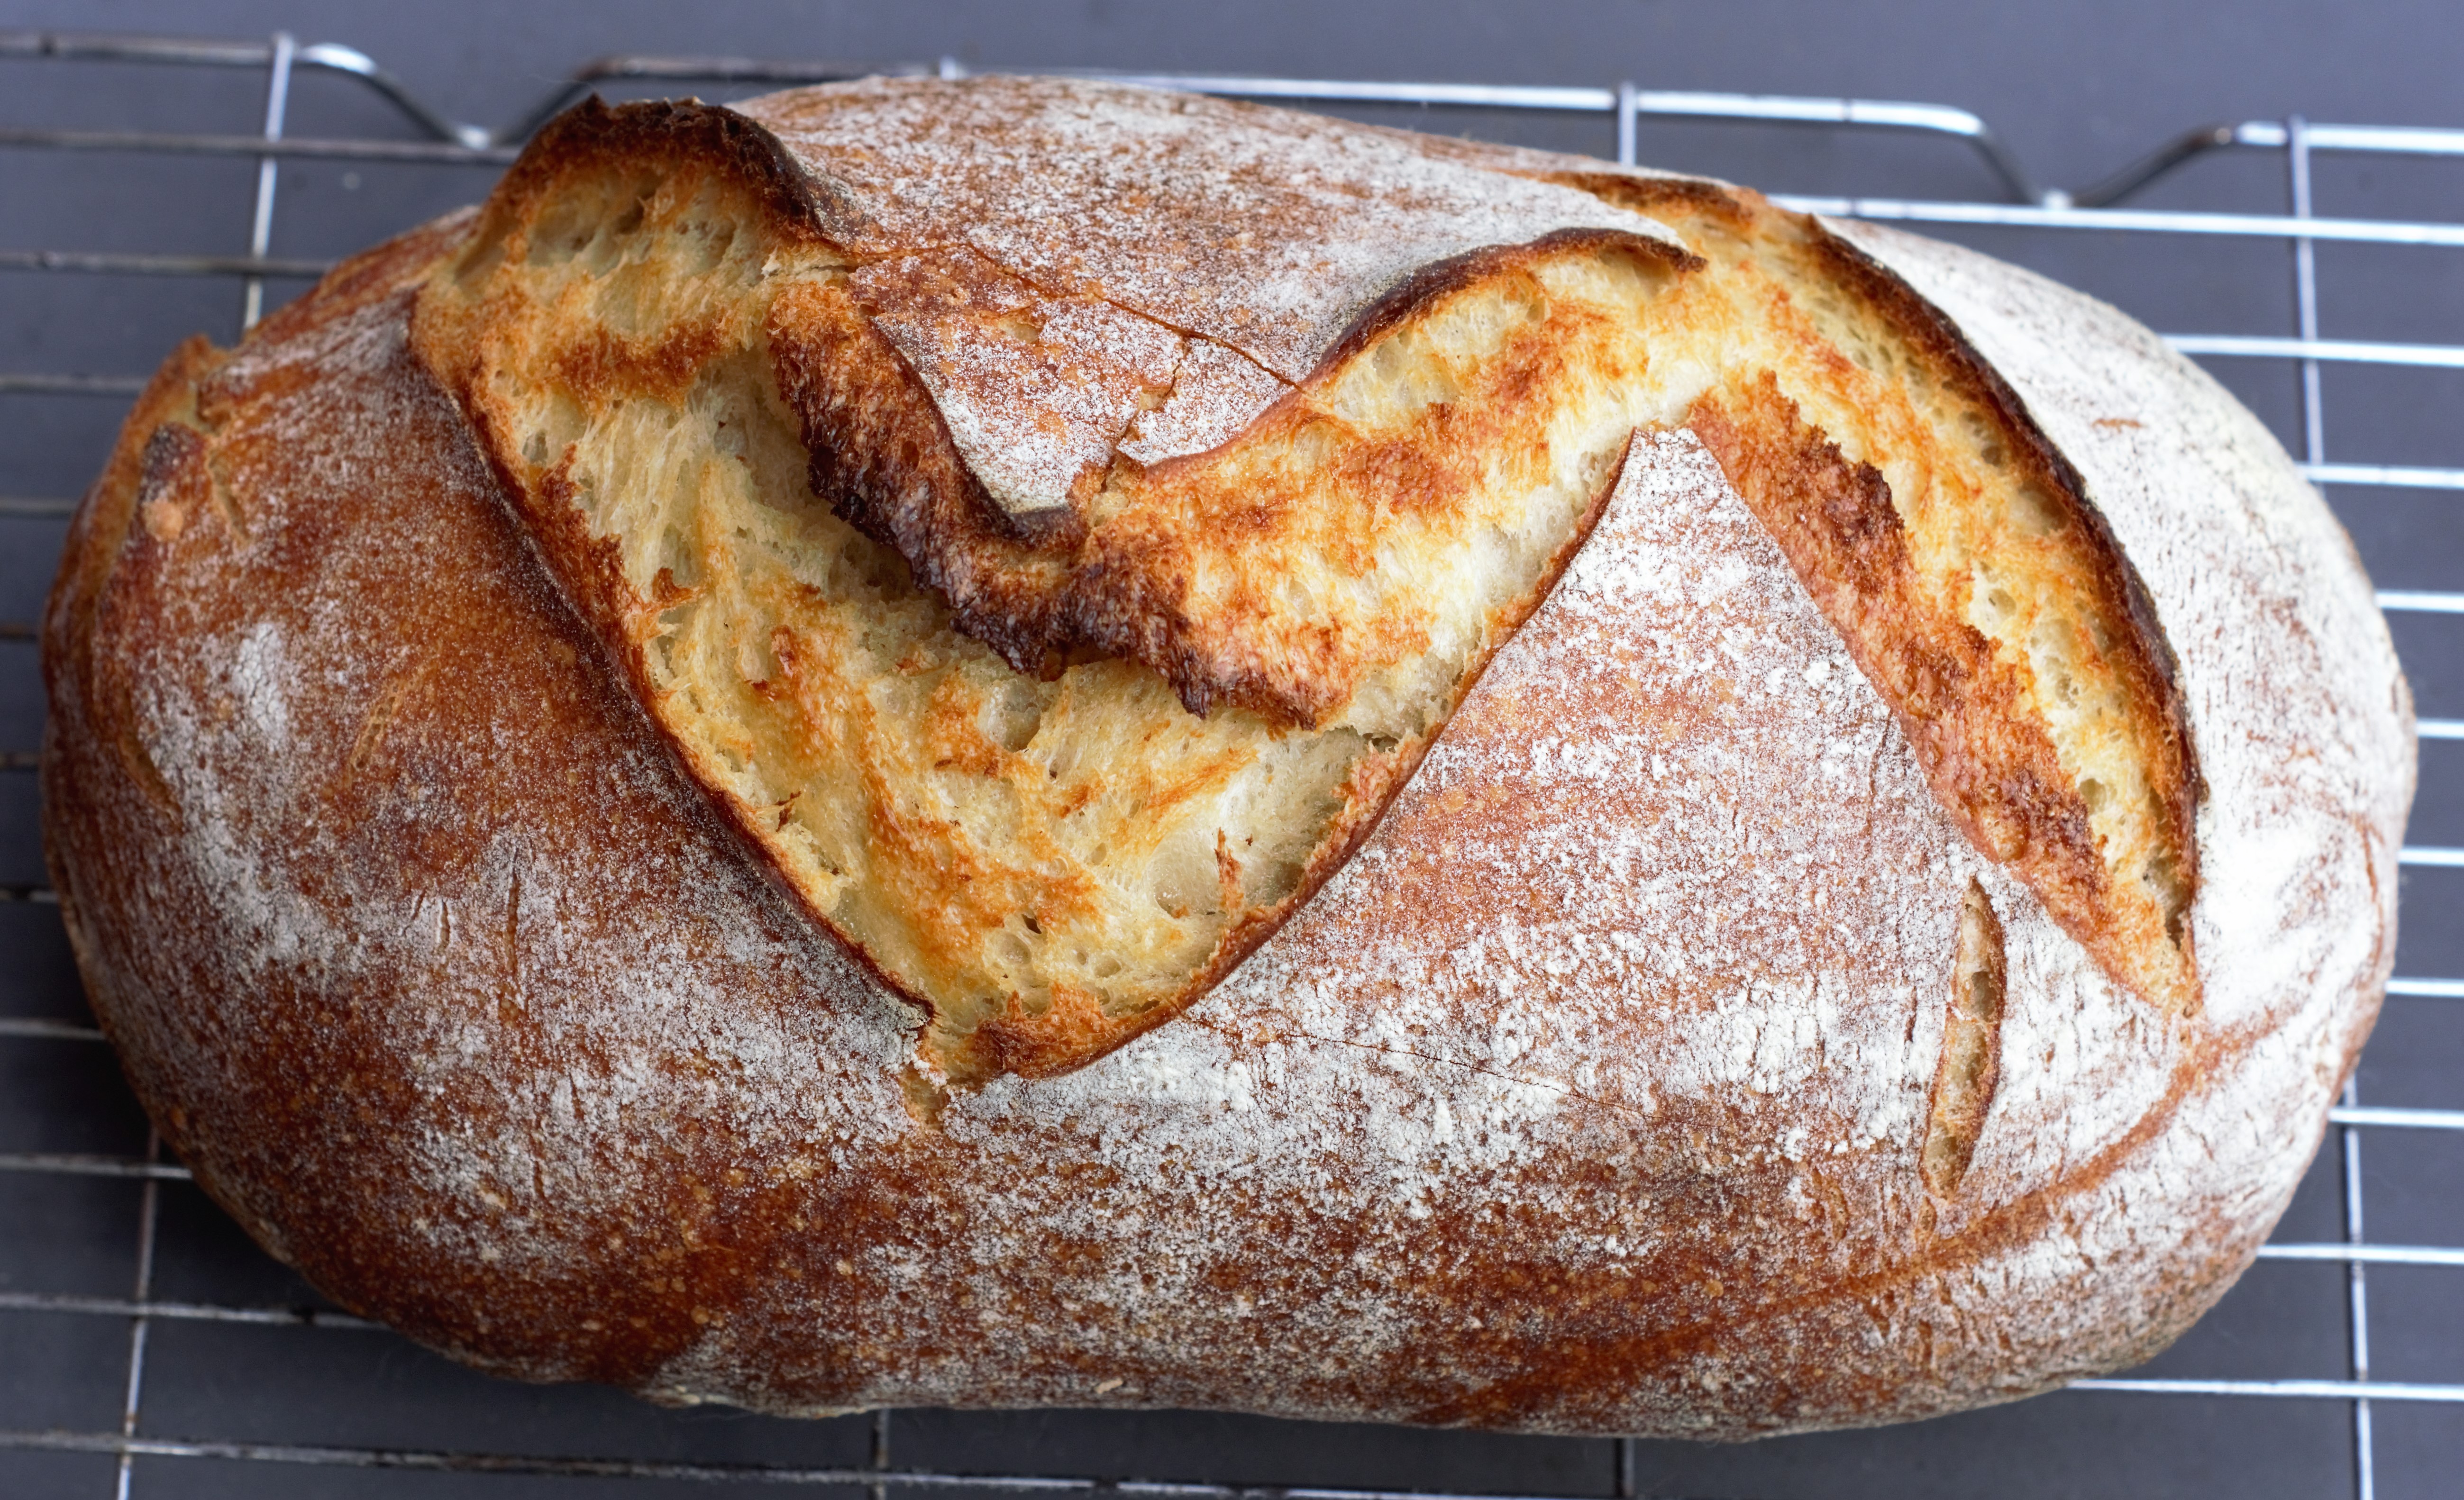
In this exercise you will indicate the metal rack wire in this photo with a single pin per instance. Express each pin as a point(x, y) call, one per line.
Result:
point(444, 141)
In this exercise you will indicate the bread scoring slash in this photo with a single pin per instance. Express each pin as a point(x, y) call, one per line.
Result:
point(1056, 518)
point(1031, 742)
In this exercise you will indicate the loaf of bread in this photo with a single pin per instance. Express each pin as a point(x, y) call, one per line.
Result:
point(1025, 743)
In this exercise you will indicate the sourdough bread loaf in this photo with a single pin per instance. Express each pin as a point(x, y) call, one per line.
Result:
point(1030, 743)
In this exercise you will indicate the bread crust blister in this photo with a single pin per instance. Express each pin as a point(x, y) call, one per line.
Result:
point(1690, 811)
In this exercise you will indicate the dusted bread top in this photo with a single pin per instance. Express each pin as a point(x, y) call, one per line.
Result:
point(1902, 853)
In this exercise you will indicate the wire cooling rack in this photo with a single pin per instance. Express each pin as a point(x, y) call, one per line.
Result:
point(145, 1348)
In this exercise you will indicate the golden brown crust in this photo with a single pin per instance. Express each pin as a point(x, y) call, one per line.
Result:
point(881, 450)
point(2142, 655)
point(1413, 296)
point(654, 136)
point(1600, 1091)
point(1037, 585)
point(1192, 572)
point(1965, 711)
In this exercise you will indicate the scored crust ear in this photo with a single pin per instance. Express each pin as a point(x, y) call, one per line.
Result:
point(1055, 740)
point(1960, 556)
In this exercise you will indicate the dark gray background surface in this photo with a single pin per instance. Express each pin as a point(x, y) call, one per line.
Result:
point(2078, 90)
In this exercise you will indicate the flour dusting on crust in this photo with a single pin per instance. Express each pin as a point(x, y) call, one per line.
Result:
point(1262, 230)
point(1590, 1096)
